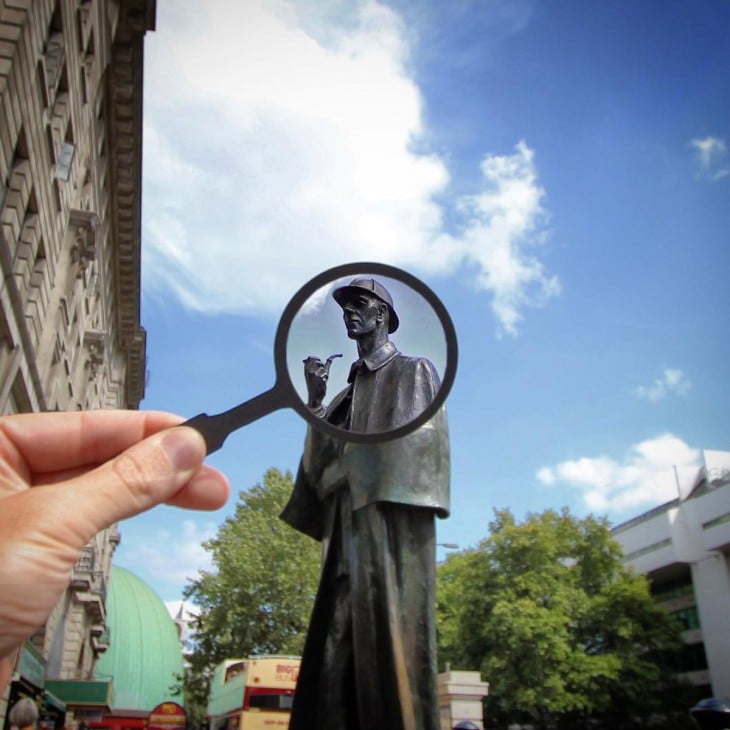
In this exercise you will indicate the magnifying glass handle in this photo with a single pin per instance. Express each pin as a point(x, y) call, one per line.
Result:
point(215, 429)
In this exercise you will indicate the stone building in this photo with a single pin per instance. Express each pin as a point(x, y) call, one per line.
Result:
point(70, 224)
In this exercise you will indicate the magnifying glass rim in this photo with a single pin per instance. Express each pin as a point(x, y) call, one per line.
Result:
point(327, 277)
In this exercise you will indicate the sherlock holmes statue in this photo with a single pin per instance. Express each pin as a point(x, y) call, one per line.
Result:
point(369, 659)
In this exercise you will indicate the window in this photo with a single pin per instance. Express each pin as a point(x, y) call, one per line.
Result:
point(19, 167)
point(673, 589)
point(234, 670)
point(688, 618)
point(281, 702)
point(692, 658)
point(52, 68)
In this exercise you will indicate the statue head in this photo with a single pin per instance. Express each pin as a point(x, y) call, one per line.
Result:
point(372, 288)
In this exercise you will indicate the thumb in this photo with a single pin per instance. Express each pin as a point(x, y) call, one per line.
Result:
point(145, 475)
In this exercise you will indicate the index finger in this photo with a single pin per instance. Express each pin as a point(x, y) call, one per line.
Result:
point(48, 442)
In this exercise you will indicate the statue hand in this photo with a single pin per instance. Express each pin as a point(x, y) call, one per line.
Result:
point(316, 373)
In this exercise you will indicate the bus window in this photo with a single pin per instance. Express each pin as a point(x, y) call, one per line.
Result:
point(234, 670)
point(268, 700)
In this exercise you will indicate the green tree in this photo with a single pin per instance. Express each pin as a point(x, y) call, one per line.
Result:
point(566, 636)
point(259, 596)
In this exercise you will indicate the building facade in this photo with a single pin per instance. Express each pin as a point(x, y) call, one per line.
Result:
point(70, 226)
point(683, 547)
point(461, 699)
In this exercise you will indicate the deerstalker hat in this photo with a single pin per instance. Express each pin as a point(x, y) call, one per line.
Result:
point(371, 286)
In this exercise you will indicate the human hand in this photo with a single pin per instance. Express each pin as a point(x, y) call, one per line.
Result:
point(66, 476)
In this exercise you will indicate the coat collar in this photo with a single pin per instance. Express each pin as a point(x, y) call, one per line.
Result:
point(375, 360)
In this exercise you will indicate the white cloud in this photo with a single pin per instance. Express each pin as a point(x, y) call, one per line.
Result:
point(711, 157)
point(503, 221)
point(291, 139)
point(644, 478)
point(172, 560)
point(672, 382)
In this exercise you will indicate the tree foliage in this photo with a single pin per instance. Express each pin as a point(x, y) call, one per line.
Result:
point(259, 596)
point(564, 634)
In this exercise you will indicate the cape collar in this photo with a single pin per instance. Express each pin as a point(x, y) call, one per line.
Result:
point(375, 360)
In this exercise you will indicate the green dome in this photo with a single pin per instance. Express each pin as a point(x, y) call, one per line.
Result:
point(144, 658)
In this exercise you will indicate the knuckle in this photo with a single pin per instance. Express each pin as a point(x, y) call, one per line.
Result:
point(136, 477)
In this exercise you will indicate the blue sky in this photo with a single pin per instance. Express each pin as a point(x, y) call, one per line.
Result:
point(558, 173)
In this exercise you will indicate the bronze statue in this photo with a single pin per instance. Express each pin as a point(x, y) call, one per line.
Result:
point(369, 660)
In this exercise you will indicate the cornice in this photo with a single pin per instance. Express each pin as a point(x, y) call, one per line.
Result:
point(124, 86)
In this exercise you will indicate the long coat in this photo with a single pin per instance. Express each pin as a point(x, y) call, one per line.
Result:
point(369, 661)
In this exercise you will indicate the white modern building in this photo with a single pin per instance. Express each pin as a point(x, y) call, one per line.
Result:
point(683, 547)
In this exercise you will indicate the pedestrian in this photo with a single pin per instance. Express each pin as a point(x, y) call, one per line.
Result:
point(24, 714)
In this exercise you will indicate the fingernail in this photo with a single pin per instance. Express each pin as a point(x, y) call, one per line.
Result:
point(184, 448)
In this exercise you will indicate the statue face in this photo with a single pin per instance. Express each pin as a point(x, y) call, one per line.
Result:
point(362, 314)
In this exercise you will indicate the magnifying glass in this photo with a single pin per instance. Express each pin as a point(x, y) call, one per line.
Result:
point(312, 327)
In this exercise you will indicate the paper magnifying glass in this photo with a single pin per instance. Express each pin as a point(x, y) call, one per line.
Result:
point(314, 331)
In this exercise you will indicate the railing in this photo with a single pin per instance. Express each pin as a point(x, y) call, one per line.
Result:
point(99, 584)
point(89, 584)
point(100, 638)
point(85, 564)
